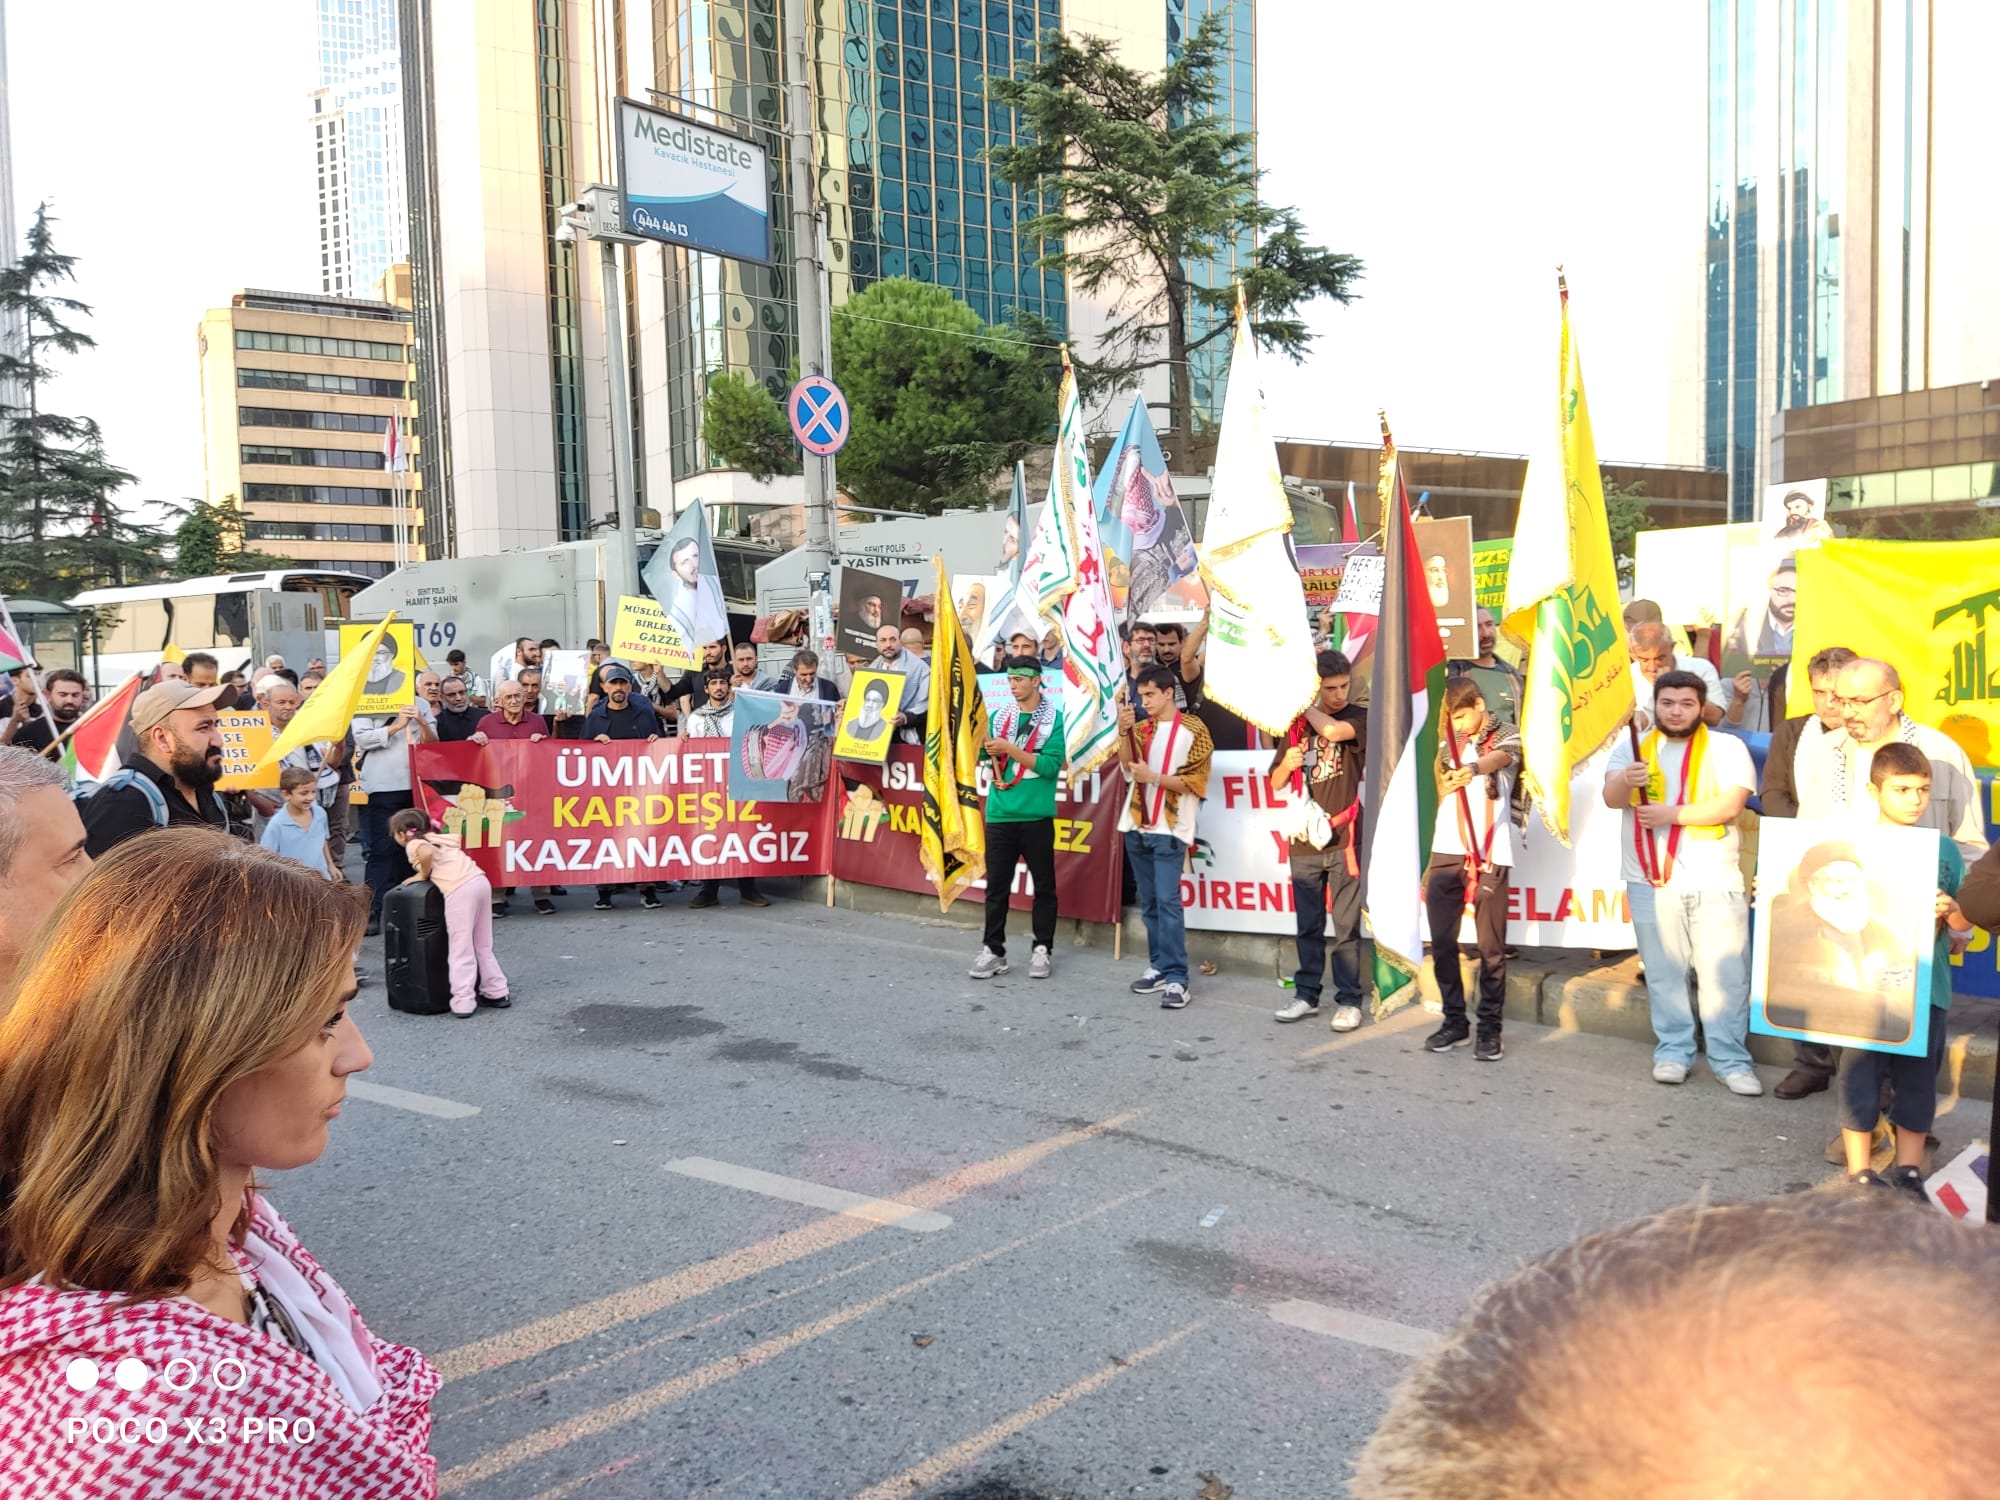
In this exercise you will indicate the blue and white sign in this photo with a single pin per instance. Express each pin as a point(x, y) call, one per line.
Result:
point(819, 414)
point(694, 185)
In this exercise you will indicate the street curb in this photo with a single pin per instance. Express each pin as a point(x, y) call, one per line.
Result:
point(1568, 989)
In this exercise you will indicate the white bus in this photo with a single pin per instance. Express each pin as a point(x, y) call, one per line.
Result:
point(238, 618)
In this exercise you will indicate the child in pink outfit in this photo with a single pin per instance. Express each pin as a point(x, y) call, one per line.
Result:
point(468, 910)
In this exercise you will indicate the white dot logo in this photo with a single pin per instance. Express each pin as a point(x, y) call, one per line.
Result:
point(81, 1374)
point(131, 1374)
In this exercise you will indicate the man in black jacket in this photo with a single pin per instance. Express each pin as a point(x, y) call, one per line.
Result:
point(621, 716)
point(1813, 1063)
point(180, 756)
point(456, 717)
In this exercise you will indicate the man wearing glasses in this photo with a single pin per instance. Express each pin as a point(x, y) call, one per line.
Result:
point(1857, 708)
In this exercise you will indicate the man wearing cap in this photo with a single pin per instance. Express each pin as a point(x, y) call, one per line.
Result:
point(1026, 753)
point(621, 715)
point(180, 759)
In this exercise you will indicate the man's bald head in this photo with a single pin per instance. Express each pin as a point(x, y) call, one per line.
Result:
point(1715, 1352)
point(1642, 612)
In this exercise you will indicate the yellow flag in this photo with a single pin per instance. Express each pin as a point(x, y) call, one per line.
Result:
point(1562, 602)
point(1927, 608)
point(951, 821)
point(327, 713)
point(173, 653)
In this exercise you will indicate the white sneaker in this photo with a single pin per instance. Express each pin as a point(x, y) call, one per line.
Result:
point(1038, 964)
point(987, 965)
point(1746, 1083)
point(1673, 1072)
point(1346, 1018)
point(1298, 1010)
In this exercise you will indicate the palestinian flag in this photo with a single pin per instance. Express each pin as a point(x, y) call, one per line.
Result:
point(103, 740)
point(1399, 793)
point(13, 655)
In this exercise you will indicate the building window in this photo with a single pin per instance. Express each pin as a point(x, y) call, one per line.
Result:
point(303, 343)
point(332, 385)
point(316, 531)
point(319, 421)
point(316, 494)
point(322, 458)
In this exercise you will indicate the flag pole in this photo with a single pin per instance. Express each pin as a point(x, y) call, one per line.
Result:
point(34, 676)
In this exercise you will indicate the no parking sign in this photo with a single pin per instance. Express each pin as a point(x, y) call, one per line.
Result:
point(819, 415)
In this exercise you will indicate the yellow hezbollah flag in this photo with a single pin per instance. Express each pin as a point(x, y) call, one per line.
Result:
point(951, 832)
point(1562, 602)
point(1926, 608)
point(330, 709)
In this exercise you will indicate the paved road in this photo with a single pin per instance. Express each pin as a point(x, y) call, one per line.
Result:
point(1127, 1249)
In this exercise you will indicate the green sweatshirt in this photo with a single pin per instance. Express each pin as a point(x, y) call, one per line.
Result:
point(1032, 796)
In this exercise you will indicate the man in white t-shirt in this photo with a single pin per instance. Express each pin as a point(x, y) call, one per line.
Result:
point(1652, 649)
point(1472, 859)
point(1681, 796)
point(1166, 756)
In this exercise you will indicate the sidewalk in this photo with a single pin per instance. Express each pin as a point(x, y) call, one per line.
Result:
point(1560, 987)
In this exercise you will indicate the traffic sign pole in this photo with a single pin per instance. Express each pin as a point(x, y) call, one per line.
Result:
point(806, 270)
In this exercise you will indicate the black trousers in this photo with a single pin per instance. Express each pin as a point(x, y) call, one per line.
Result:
point(1444, 904)
point(1007, 844)
point(386, 865)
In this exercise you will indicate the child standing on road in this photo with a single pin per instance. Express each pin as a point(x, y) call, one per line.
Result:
point(1899, 781)
point(468, 910)
point(298, 829)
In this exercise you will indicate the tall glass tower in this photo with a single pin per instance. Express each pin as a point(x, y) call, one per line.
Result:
point(903, 122)
point(358, 144)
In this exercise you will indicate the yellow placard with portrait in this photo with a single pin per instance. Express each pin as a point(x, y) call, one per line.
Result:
point(389, 682)
point(867, 718)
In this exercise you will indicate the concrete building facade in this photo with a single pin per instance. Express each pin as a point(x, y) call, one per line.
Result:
point(297, 393)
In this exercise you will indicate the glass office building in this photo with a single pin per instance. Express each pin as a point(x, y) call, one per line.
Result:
point(358, 145)
point(903, 123)
point(1850, 229)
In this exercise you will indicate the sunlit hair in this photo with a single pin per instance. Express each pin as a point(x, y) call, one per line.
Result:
point(1719, 1352)
point(120, 1035)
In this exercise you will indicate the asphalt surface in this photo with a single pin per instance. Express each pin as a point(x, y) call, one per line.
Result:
point(1100, 1205)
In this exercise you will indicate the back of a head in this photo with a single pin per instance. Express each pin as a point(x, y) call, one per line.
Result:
point(1642, 612)
point(114, 1003)
point(1716, 1353)
point(22, 773)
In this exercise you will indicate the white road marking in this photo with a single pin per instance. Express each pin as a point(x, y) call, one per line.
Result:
point(422, 1104)
point(812, 1194)
point(1356, 1328)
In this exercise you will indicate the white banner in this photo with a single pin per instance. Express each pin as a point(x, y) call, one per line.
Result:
point(1239, 879)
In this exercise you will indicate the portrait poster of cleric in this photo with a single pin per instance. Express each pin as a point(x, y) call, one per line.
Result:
point(868, 601)
point(1445, 546)
point(1844, 947)
point(682, 575)
point(1153, 567)
point(867, 727)
point(777, 752)
point(390, 684)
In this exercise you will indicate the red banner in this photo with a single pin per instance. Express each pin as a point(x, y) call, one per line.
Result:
point(876, 835)
point(560, 812)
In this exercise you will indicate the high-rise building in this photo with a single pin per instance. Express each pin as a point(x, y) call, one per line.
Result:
point(13, 328)
point(504, 110)
point(1851, 225)
point(297, 393)
point(357, 122)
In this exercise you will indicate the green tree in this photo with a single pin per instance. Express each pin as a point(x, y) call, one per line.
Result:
point(209, 540)
point(1625, 511)
point(941, 403)
point(56, 486)
point(1141, 180)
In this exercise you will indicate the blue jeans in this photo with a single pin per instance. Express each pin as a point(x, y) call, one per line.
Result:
point(1705, 934)
point(1156, 860)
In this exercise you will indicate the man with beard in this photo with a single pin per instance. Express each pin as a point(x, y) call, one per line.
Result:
point(66, 694)
point(1768, 631)
point(170, 783)
point(457, 717)
point(892, 656)
point(621, 716)
point(1681, 795)
point(1651, 646)
point(1500, 686)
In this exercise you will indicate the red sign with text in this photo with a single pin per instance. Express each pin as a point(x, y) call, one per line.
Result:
point(559, 812)
point(875, 839)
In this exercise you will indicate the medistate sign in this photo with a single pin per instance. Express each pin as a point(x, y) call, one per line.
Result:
point(561, 813)
point(688, 184)
point(876, 840)
point(1239, 879)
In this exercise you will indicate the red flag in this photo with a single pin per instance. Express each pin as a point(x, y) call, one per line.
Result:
point(13, 655)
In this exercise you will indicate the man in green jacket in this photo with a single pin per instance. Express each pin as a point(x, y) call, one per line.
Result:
point(1025, 754)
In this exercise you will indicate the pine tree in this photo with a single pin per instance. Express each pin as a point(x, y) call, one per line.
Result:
point(62, 530)
point(209, 540)
point(1141, 181)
